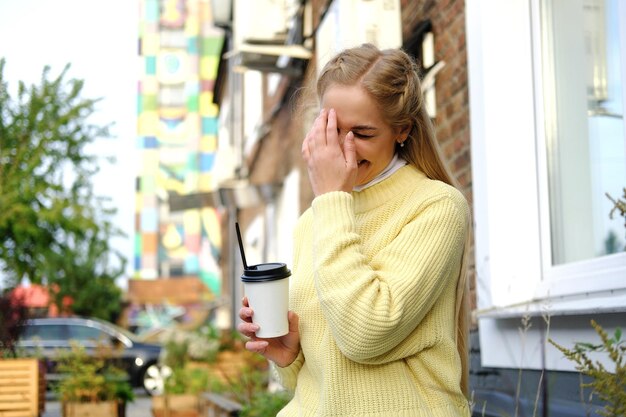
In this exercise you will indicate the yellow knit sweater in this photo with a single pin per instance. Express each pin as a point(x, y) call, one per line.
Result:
point(374, 281)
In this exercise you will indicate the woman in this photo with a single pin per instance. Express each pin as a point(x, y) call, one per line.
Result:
point(378, 292)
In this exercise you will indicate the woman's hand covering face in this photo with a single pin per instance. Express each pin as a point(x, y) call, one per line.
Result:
point(331, 160)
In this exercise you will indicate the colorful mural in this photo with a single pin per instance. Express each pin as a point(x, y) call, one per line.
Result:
point(177, 135)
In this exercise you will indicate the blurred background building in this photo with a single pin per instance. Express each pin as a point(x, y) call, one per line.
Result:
point(177, 128)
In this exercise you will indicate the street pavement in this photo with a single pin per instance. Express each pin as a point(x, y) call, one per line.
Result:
point(138, 408)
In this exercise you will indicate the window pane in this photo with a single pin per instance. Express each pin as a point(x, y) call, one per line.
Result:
point(44, 332)
point(586, 147)
point(86, 333)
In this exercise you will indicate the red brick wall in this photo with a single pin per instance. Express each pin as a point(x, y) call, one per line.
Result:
point(452, 121)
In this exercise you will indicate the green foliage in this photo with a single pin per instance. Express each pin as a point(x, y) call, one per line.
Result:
point(609, 385)
point(250, 390)
point(190, 355)
point(266, 404)
point(611, 243)
point(244, 389)
point(182, 346)
point(91, 378)
point(54, 229)
point(618, 205)
point(187, 381)
point(13, 316)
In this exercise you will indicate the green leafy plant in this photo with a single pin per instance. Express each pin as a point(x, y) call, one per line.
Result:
point(193, 358)
point(618, 205)
point(243, 389)
point(266, 404)
point(183, 346)
point(91, 378)
point(13, 316)
point(250, 389)
point(185, 354)
point(608, 385)
point(184, 380)
point(54, 228)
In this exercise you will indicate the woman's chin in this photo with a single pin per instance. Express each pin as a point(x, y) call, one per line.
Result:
point(363, 175)
point(362, 180)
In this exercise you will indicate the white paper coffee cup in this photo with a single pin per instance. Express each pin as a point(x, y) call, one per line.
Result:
point(267, 289)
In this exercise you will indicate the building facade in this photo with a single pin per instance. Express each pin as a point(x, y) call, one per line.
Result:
point(179, 49)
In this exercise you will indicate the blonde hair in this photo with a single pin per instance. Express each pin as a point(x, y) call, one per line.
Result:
point(391, 78)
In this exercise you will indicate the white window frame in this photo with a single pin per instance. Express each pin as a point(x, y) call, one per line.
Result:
point(594, 275)
point(513, 261)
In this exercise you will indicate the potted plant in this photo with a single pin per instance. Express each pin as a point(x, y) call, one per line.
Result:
point(184, 383)
point(181, 396)
point(206, 360)
point(242, 377)
point(249, 389)
point(91, 386)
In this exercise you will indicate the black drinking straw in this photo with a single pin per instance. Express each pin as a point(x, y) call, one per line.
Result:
point(243, 255)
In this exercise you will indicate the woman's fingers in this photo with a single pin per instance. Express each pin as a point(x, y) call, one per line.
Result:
point(349, 151)
point(245, 313)
point(331, 129)
point(322, 122)
point(294, 321)
point(318, 131)
point(331, 162)
point(257, 346)
point(247, 329)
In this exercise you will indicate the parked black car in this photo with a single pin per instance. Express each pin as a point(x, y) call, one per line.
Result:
point(46, 337)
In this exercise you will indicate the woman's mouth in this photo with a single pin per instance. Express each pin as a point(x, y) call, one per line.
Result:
point(362, 162)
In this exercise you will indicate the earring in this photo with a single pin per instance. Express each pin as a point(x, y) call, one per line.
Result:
point(402, 144)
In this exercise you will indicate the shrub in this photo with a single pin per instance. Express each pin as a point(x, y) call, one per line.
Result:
point(90, 378)
point(609, 385)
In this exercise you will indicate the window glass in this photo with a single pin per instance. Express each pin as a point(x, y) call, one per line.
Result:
point(45, 332)
point(86, 333)
point(582, 63)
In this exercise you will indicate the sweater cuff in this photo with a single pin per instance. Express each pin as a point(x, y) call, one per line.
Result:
point(331, 210)
point(333, 200)
point(288, 375)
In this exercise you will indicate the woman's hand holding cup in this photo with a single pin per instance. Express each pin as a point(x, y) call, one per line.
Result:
point(281, 350)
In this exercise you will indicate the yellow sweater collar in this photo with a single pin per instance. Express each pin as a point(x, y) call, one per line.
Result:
point(404, 180)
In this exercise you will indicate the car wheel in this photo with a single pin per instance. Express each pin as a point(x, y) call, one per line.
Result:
point(152, 379)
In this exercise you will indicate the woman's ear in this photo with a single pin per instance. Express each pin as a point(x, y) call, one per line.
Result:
point(403, 133)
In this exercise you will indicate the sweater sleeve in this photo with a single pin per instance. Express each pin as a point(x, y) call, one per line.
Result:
point(372, 306)
point(288, 375)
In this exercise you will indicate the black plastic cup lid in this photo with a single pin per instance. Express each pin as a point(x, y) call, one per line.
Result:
point(265, 272)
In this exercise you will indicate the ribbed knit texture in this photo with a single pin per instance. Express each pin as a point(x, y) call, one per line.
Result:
point(374, 280)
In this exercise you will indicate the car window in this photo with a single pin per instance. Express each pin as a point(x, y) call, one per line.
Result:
point(85, 333)
point(44, 332)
